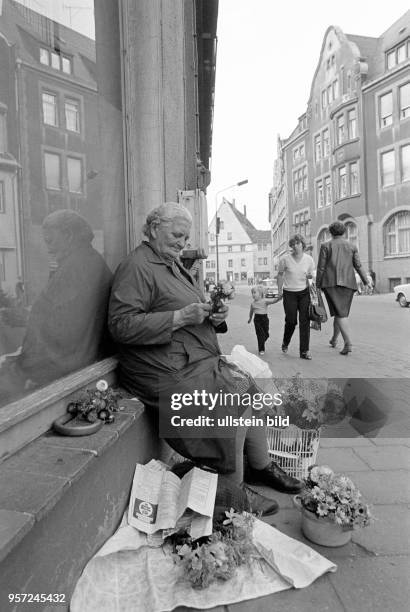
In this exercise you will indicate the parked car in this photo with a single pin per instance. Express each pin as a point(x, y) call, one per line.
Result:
point(402, 294)
point(271, 288)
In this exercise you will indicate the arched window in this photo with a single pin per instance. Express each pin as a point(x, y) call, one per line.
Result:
point(324, 236)
point(351, 232)
point(396, 234)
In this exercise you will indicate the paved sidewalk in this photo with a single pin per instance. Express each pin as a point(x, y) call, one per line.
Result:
point(375, 357)
point(373, 569)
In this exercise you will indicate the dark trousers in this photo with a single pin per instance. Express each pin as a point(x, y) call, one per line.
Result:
point(261, 322)
point(295, 302)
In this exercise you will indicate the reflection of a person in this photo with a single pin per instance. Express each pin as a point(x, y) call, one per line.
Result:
point(66, 323)
point(337, 268)
point(167, 343)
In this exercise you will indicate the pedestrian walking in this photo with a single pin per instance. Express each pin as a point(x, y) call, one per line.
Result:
point(259, 312)
point(338, 263)
point(294, 271)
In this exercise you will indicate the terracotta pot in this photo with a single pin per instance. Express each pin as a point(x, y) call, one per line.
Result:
point(322, 530)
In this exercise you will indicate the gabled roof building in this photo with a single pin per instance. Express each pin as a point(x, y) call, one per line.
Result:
point(349, 156)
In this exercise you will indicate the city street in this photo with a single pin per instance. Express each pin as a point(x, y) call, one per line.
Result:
point(380, 333)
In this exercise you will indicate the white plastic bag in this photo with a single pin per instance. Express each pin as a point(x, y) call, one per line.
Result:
point(248, 362)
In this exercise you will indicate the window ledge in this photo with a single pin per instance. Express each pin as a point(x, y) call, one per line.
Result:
point(27, 418)
point(34, 479)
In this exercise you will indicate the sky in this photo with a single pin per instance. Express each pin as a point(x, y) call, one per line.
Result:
point(268, 51)
point(267, 54)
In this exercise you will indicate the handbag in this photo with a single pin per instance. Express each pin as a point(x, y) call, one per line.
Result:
point(317, 311)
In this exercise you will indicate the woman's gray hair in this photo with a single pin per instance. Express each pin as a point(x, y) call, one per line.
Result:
point(69, 221)
point(165, 213)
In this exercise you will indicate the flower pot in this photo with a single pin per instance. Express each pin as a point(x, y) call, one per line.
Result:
point(322, 530)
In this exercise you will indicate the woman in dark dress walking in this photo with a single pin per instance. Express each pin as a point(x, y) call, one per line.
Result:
point(338, 261)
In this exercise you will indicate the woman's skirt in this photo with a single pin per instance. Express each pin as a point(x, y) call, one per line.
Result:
point(339, 300)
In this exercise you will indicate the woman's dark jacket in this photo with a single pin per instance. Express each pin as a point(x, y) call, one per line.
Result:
point(338, 260)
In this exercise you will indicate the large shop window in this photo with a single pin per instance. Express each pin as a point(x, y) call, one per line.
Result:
point(54, 282)
point(396, 234)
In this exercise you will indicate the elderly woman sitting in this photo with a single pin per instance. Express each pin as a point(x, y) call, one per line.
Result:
point(167, 345)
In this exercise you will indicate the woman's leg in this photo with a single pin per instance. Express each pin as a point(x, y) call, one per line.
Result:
point(344, 327)
point(336, 330)
point(290, 306)
point(304, 323)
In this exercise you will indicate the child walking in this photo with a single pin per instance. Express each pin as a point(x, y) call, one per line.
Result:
point(259, 312)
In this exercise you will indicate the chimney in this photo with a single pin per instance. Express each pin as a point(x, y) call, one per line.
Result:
point(233, 204)
point(244, 210)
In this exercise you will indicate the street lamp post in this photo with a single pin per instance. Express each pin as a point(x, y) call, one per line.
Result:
point(217, 221)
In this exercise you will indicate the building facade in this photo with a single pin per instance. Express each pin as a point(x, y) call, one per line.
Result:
point(240, 252)
point(348, 158)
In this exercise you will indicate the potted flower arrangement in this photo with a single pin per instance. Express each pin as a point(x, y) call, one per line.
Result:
point(309, 404)
point(87, 412)
point(332, 507)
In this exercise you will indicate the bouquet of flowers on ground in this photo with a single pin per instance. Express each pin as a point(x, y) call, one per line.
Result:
point(218, 556)
point(336, 497)
point(311, 403)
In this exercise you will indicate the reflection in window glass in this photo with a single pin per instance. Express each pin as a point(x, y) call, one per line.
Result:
point(52, 167)
point(57, 335)
point(74, 175)
point(391, 59)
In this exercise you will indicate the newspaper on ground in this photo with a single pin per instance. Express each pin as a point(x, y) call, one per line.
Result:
point(162, 501)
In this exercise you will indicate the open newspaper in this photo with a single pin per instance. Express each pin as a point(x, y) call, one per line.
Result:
point(161, 501)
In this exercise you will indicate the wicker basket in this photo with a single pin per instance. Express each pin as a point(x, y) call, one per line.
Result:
point(294, 449)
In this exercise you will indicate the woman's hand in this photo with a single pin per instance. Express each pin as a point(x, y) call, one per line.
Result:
point(219, 317)
point(193, 314)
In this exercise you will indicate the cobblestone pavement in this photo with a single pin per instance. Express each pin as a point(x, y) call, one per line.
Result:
point(380, 332)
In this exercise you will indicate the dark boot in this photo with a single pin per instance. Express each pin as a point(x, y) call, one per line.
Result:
point(273, 476)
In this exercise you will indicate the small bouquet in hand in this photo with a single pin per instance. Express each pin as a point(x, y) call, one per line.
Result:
point(222, 291)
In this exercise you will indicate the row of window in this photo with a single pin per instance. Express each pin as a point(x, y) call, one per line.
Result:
point(396, 234)
point(398, 54)
point(52, 115)
point(330, 94)
point(394, 104)
point(211, 264)
point(392, 172)
point(57, 60)
point(63, 172)
point(348, 181)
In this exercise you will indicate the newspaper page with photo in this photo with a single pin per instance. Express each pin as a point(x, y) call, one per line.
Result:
point(161, 501)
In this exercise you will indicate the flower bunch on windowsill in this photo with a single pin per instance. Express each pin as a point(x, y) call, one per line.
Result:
point(336, 497)
point(93, 404)
point(218, 556)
